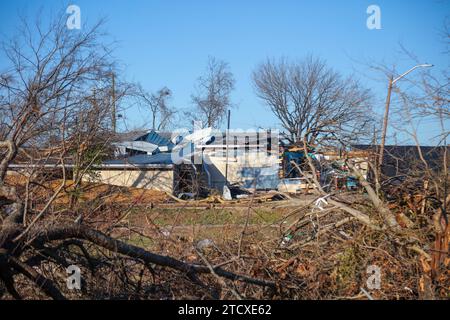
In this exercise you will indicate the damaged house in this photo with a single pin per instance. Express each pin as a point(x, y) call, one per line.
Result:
point(192, 162)
point(247, 159)
point(142, 160)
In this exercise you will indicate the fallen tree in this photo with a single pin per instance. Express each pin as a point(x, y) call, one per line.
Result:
point(51, 115)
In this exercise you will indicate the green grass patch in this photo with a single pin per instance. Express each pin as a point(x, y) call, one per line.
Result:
point(164, 217)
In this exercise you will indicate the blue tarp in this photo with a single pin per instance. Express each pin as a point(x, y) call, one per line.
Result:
point(290, 156)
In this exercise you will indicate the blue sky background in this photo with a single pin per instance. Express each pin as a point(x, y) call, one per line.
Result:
point(167, 43)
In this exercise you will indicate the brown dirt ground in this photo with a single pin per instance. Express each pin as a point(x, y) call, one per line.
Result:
point(92, 191)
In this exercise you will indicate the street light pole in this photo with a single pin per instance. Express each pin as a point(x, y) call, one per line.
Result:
point(385, 123)
point(392, 81)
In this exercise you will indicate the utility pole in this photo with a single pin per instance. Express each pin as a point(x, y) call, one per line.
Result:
point(113, 96)
point(228, 133)
point(385, 123)
point(226, 190)
point(392, 81)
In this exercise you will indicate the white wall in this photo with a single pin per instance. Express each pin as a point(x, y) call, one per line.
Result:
point(155, 179)
point(237, 166)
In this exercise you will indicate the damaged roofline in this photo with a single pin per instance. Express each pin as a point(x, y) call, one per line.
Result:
point(134, 166)
point(102, 166)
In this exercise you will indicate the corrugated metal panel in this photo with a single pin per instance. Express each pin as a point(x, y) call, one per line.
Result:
point(154, 138)
point(138, 145)
point(129, 136)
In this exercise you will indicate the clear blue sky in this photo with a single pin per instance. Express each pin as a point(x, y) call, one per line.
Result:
point(166, 43)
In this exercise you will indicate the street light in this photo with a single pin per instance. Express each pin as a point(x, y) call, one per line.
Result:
point(386, 111)
point(424, 65)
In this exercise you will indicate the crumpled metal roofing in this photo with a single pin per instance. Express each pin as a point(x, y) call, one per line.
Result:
point(138, 145)
point(156, 138)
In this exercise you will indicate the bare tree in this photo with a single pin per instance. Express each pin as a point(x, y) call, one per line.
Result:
point(54, 109)
point(157, 102)
point(212, 98)
point(44, 91)
point(309, 98)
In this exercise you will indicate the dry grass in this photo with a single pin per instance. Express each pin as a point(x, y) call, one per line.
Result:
point(322, 259)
